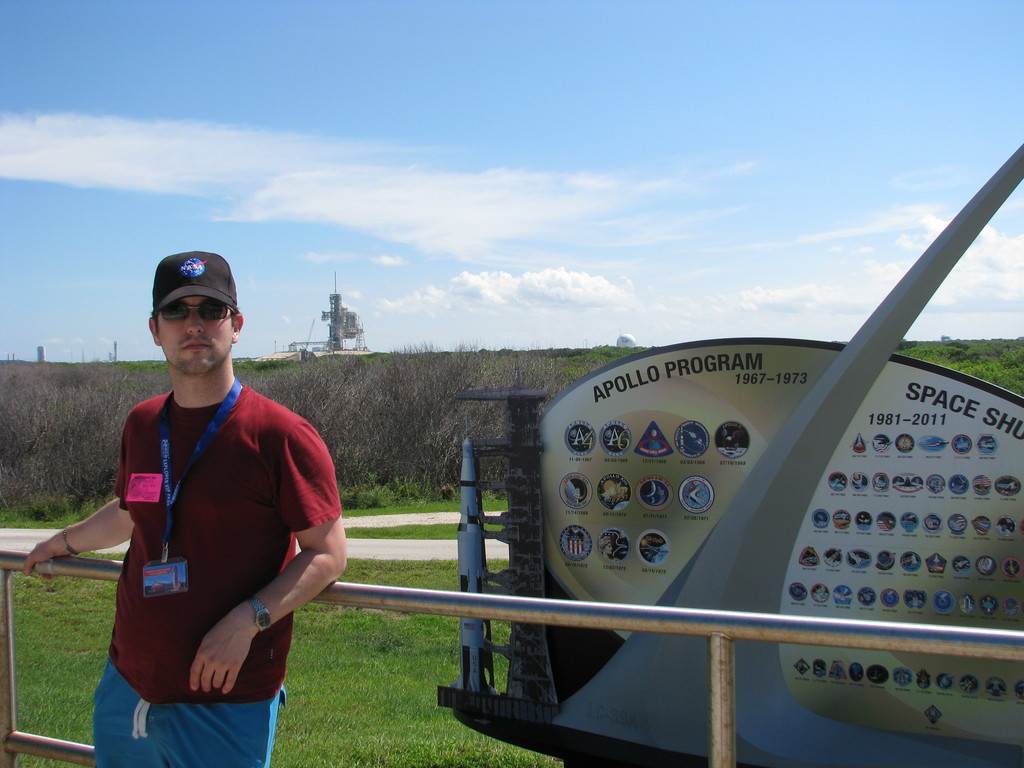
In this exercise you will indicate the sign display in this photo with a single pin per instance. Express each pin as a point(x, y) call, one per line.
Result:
point(918, 518)
point(649, 453)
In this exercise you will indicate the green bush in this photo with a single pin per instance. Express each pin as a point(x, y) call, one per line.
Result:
point(390, 421)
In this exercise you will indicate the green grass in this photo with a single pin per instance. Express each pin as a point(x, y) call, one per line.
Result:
point(57, 514)
point(432, 532)
point(361, 683)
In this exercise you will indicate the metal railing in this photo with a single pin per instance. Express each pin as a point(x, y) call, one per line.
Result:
point(721, 628)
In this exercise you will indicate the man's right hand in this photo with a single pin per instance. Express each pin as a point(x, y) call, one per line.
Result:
point(108, 526)
point(43, 551)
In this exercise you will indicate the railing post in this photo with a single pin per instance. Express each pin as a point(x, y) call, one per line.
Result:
point(9, 686)
point(721, 702)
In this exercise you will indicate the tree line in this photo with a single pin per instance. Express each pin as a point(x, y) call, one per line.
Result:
point(390, 420)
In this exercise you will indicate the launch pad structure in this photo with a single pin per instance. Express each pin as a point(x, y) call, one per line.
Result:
point(343, 325)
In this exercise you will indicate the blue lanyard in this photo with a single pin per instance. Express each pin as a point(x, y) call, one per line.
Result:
point(171, 492)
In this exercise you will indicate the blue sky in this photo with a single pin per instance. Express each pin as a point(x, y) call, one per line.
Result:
point(504, 174)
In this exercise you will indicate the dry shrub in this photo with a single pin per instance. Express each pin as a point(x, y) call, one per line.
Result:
point(388, 419)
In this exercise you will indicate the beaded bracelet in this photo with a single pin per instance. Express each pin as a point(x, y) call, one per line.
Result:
point(67, 546)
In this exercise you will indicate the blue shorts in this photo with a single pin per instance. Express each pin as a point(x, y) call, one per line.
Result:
point(131, 733)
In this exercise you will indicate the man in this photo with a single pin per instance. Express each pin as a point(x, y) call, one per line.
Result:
point(216, 485)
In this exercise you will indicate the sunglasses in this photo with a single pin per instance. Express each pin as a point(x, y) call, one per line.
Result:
point(208, 310)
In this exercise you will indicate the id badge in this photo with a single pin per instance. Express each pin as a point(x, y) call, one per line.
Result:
point(165, 577)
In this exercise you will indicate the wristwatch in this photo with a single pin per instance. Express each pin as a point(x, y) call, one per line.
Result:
point(263, 619)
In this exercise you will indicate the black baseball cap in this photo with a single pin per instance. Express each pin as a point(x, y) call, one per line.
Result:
point(195, 273)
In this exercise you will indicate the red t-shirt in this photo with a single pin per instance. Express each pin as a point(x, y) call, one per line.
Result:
point(265, 475)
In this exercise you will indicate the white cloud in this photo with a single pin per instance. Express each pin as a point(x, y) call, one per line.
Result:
point(182, 157)
point(464, 214)
point(988, 274)
point(896, 219)
point(549, 289)
point(266, 176)
point(389, 261)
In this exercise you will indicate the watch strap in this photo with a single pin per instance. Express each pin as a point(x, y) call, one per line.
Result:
point(263, 620)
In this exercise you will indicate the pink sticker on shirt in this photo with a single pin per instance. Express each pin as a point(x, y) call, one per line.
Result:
point(144, 487)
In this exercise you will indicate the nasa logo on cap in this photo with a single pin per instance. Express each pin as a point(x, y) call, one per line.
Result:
point(192, 268)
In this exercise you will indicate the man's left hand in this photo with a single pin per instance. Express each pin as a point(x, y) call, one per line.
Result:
point(222, 651)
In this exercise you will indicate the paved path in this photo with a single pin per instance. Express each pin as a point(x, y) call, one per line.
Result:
point(23, 539)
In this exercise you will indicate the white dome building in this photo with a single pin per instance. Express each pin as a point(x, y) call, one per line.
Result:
point(626, 341)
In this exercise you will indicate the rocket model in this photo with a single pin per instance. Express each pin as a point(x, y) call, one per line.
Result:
point(476, 657)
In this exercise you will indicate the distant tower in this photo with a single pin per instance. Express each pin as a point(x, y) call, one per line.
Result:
point(342, 324)
point(41, 354)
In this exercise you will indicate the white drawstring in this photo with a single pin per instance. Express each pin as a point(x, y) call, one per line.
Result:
point(139, 724)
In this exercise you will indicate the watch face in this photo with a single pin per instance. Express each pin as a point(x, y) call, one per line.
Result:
point(262, 614)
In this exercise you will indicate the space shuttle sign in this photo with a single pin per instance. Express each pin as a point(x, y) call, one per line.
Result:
point(916, 517)
point(790, 477)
